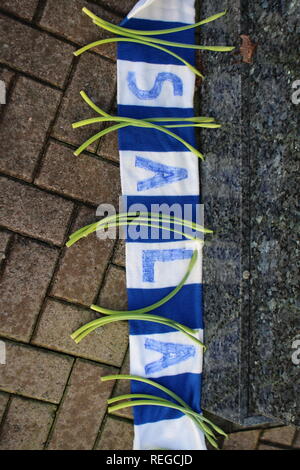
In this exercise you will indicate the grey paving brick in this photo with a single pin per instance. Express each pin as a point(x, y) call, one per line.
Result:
point(3, 402)
point(83, 408)
point(23, 8)
point(83, 265)
point(26, 425)
point(109, 147)
point(34, 373)
point(267, 447)
point(123, 388)
point(246, 440)
point(34, 52)
point(116, 435)
point(97, 77)
point(282, 435)
point(25, 123)
point(59, 321)
point(6, 76)
point(296, 443)
point(123, 7)
point(78, 27)
point(119, 255)
point(114, 294)
point(85, 178)
point(4, 240)
point(33, 212)
point(26, 277)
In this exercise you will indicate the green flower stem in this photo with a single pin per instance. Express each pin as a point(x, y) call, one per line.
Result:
point(161, 119)
point(160, 217)
point(96, 108)
point(89, 327)
point(126, 223)
point(142, 122)
point(133, 396)
point(115, 30)
point(150, 225)
point(147, 381)
point(156, 32)
point(158, 304)
point(138, 41)
point(164, 403)
point(98, 136)
point(205, 125)
point(133, 122)
point(116, 221)
point(163, 389)
point(184, 119)
point(136, 216)
point(82, 332)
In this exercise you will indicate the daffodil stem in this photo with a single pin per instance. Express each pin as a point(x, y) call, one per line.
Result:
point(158, 304)
point(131, 122)
point(137, 41)
point(156, 32)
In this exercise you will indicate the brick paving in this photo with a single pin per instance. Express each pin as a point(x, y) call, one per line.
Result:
point(50, 393)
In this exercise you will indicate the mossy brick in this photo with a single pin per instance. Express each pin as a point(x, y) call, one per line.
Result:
point(26, 121)
point(27, 274)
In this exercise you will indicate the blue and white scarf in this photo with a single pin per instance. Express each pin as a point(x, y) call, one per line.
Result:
point(157, 169)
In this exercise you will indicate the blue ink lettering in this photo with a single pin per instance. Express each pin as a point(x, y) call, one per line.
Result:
point(157, 87)
point(164, 174)
point(172, 353)
point(150, 257)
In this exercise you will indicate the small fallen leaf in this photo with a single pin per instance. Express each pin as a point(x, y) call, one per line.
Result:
point(247, 49)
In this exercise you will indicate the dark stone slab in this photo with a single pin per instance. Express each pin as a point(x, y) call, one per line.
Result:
point(249, 189)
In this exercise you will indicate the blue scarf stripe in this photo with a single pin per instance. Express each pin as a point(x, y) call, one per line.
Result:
point(185, 307)
point(151, 414)
point(154, 56)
